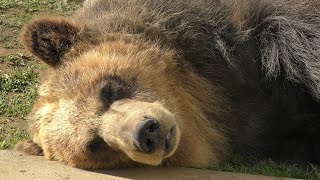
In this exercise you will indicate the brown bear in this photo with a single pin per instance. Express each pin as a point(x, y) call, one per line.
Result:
point(177, 82)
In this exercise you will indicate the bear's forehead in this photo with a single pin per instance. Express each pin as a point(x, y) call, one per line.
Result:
point(128, 72)
point(95, 69)
point(93, 81)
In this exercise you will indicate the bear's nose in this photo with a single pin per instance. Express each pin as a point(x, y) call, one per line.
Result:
point(148, 136)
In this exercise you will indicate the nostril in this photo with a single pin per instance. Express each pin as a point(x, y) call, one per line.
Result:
point(150, 146)
point(152, 127)
point(148, 136)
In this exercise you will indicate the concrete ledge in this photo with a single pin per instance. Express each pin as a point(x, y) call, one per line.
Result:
point(15, 165)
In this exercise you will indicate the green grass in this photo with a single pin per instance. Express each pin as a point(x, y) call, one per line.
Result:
point(17, 92)
point(13, 138)
point(15, 60)
point(254, 165)
point(15, 13)
point(19, 78)
point(32, 6)
point(18, 81)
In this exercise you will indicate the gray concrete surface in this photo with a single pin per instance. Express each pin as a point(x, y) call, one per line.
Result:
point(15, 166)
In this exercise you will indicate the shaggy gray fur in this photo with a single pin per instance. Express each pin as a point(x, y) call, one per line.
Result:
point(265, 53)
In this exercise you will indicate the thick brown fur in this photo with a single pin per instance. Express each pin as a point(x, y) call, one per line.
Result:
point(229, 76)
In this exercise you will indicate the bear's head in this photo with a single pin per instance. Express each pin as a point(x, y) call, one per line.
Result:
point(99, 102)
point(118, 100)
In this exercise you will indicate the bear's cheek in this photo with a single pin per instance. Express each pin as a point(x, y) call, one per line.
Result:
point(58, 135)
point(69, 135)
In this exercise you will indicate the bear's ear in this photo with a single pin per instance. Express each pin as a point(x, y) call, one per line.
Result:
point(50, 38)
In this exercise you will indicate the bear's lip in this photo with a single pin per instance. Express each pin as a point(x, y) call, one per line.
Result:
point(169, 141)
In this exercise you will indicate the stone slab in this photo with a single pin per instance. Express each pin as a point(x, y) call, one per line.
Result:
point(15, 166)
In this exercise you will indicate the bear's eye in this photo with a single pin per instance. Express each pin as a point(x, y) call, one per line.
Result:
point(97, 145)
point(115, 89)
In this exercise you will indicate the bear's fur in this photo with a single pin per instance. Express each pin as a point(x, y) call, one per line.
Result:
point(219, 76)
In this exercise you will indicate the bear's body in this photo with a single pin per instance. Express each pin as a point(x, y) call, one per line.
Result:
point(209, 78)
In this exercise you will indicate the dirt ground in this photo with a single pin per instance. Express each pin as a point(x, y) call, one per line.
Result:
point(15, 166)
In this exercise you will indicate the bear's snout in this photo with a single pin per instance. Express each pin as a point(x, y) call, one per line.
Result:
point(148, 136)
point(148, 133)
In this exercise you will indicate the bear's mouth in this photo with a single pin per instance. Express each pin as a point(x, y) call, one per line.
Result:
point(169, 141)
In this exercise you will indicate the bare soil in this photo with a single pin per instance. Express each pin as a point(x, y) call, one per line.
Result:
point(14, 165)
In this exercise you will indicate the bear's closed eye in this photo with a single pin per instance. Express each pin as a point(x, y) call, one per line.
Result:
point(97, 145)
point(115, 89)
